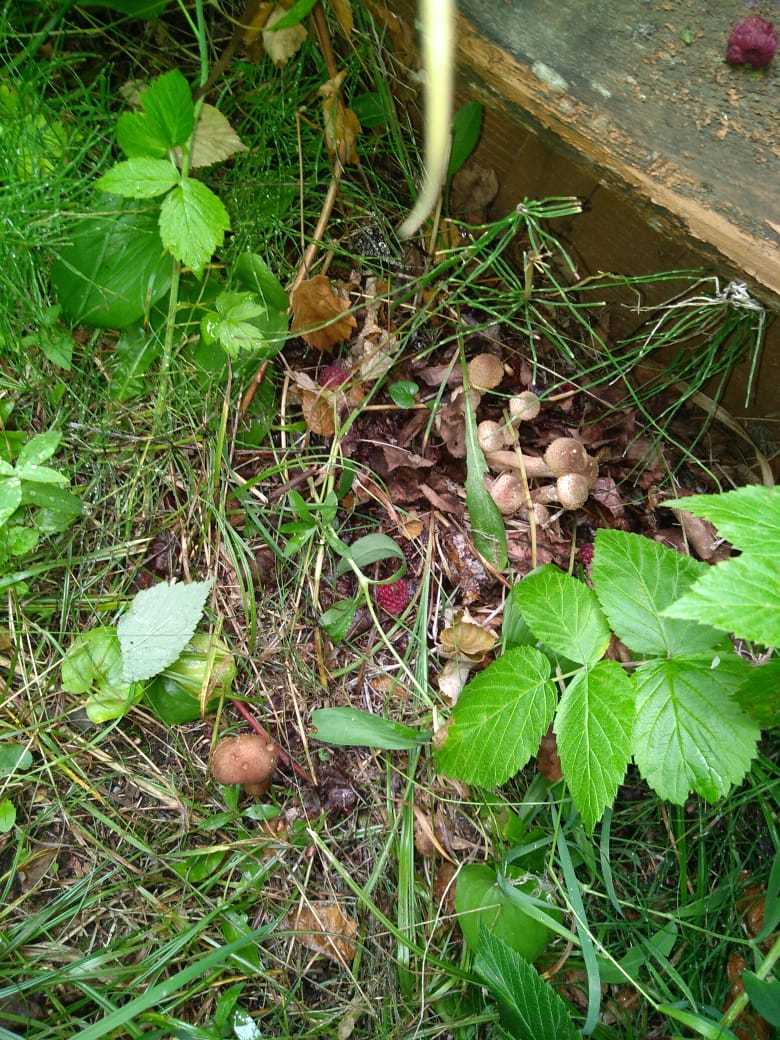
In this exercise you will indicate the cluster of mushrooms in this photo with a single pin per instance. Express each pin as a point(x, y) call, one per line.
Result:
point(566, 462)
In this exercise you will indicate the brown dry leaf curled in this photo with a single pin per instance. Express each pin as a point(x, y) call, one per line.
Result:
point(282, 45)
point(326, 929)
point(314, 303)
point(468, 640)
point(342, 126)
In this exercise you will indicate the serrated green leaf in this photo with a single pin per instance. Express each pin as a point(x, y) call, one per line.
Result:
point(39, 448)
point(500, 719)
point(689, 733)
point(7, 815)
point(466, 128)
point(139, 178)
point(158, 625)
point(514, 630)
point(759, 695)
point(139, 138)
point(14, 758)
point(635, 581)
point(350, 727)
point(193, 223)
point(167, 102)
point(10, 497)
point(740, 596)
point(593, 726)
point(530, 1008)
point(564, 614)
point(748, 517)
point(114, 268)
point(487, 524)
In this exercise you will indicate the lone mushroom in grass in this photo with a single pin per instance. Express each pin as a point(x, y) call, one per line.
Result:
point(249, 760)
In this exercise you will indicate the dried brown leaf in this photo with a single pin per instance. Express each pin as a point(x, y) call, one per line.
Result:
point(453, 677)
point(548, 763)
point(700, 533)
point(314, 303)
point(284, 44)
point(468, 640)
point(411, 526)
point(474, 187)
point(318, 412)
point(214, 140)
point(342, 126)
point(444, 887)
point(395, 457)
point(605, 492)
point(326, 929)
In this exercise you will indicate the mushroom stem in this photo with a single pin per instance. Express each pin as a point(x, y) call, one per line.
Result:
point(283, 756)
point(534, 466)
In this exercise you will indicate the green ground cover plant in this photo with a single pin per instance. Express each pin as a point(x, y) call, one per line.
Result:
point(193, 549)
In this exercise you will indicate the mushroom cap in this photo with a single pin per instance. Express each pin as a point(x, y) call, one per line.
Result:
point(491, 436)
point(572, 490)
point(565, 455)
point(248, 759)
point(485, 371)
point(524, 407)
point(508, 493)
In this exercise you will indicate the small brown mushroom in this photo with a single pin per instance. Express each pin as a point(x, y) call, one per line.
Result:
point(534, 466)
point(571, 490)
point(508, 493)
point(248, 760)
point(485, 372)
point(491, 436)
point(565, 455)
point(524, 407)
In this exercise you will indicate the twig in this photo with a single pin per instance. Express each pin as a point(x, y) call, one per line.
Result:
point(284, 757)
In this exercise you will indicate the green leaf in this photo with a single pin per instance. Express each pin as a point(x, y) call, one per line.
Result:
point(158, 625)
point(294, 16)
point(759, 694)
point(193, 223)
point(243, 322)
point(338, 618)
point(748, 517)
point(689, 734)
point(466, 128)
point(370, 549)
point(741, 596)
point(350, 727)
point(139, 178)
point(58, 507)
point(764, 996)
point(41, 475)
point(10, 497)
point(114, 268)
point(487, 524)
point(564, 614)
point(7, 815)
point(93, 665)
point(255, 275)
point(593, 726)
point(635, 580)
point(56, 346)
point(403, 393)
point(167, 120)
point(706, 1027)
point(136, 351)
point(514, 630)
point(14, 758)
point(21, 540)
point(483, 906)
point(500, 719)
point(370, 110)
point(530, 1008)
point(175, 694)
point(771, 901)
point(39, 448)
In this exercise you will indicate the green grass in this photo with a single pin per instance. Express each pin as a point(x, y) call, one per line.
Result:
point(129, 871)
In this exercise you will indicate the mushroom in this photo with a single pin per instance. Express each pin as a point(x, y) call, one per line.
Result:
point(485, 372)
point(248, 760)
point(524, 407)
point(534, 466)
point(571, 490)
point(565, 455)
point(491, 436)
point(508, 493)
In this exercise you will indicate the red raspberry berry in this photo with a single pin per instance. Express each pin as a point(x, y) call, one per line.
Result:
point(753, 41)
point(586, 555)
point(395, 597)
point(333, 375)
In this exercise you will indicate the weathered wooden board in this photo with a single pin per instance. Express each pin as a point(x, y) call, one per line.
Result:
point(676, 154)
